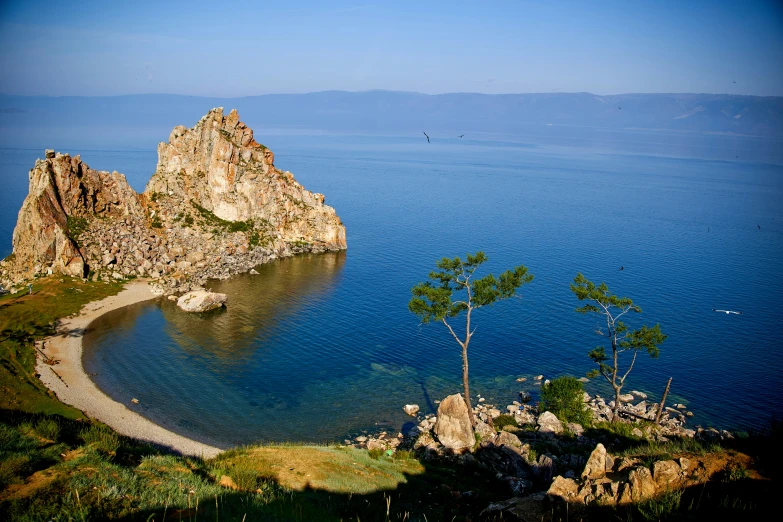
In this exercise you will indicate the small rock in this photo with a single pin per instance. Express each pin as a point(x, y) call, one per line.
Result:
point(538, 377)
point(135, 400)
point(521, 379)
point(411, 409)
point(626, 397)
point(638, 394)
point(253, 271)
point(583, 379)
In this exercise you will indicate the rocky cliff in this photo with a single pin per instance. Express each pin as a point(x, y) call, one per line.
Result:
point(216, 205)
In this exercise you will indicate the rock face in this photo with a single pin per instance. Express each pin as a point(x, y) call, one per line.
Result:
point(63, 194)
point(201, 301)
point(218, 166)
point(453, 428)
point(216, 206)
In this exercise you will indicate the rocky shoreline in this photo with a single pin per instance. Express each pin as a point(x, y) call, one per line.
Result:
point(538, 456)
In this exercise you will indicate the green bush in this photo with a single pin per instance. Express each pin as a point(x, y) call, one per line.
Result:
point(504, 420)
point(564, 397)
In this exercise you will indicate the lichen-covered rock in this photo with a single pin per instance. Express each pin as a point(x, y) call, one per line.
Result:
point(453, 428)
point(201, 301)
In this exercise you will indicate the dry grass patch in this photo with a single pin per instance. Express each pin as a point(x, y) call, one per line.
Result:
point(332, 469)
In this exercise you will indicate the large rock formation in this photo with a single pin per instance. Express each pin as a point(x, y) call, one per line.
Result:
point(215, 206)
point(218, 169)
point(64, 194)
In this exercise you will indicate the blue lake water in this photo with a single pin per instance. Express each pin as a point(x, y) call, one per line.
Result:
point(316, 348)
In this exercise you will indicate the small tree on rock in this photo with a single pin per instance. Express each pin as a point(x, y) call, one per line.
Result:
point(434, 300)
point(621, 339)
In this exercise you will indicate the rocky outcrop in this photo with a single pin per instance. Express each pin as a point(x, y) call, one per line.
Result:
point(64, 195)
point(218, 169)
point(453, 429)
point(216, 206)
point(201, 301)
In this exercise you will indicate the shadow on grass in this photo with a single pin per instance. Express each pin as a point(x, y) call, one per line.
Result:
point(123, 479)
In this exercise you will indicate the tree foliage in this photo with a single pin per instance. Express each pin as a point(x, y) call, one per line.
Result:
point(435, 300)
point(621, 339)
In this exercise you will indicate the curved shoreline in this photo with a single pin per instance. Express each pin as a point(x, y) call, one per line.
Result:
point(73, 386)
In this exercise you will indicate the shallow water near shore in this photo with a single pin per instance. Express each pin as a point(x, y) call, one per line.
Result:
point(320, 347)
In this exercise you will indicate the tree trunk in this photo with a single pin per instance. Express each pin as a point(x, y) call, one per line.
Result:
point(616, 409)
point(466, 386)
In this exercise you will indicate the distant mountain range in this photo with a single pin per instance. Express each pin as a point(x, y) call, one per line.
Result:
point(395, 112)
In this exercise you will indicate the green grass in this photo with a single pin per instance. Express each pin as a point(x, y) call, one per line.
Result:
point(25, 318)
point(504, 420)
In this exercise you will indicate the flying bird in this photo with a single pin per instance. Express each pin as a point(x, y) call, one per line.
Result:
point(622, 268)
point(727, 311)
point(461, 135)
point(759, 226)
point(428, 138)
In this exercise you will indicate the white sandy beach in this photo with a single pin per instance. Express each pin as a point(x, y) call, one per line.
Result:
point(78, 390)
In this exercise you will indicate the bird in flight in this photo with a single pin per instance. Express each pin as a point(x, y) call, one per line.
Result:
point(759, 226)
point(461, 135)
point(622, 268)
point(727, 311)
point(428, 138)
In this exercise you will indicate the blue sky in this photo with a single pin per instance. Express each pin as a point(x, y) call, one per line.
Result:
point(246, 48)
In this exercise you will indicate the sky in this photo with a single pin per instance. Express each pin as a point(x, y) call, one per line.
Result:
point(200, 48)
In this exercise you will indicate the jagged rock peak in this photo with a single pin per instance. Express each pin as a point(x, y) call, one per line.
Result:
point(63, 193)
point(218, 166)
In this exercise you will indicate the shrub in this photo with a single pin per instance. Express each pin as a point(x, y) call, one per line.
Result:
point(564, 397)
point(504, 420)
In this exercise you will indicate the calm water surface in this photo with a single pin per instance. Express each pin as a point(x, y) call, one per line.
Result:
point(316, 348)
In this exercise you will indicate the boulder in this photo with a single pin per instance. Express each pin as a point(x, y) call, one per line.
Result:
point(549, 424)
point(596, 464)
point(666, 472)
point(565, 488)
point(201, 301)
point(411, 409)
point(640, 485)
point(453, 428)
point(483, 430)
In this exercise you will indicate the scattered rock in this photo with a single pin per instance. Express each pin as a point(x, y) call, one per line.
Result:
point(538, 377)
point(411, 409)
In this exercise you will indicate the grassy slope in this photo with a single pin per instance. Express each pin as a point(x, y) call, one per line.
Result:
point(24, 318)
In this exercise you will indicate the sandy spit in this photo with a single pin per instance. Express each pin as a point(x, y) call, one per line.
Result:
point(72, 385)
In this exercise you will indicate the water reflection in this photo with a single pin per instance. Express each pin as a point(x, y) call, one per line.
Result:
point(257, 305)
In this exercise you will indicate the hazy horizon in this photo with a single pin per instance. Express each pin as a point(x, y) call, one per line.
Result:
point(95, 48)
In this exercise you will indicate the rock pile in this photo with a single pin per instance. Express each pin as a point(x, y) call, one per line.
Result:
point(610, 481)
point(216, 206)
